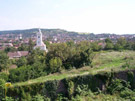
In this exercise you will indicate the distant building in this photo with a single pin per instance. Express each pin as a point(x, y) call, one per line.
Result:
point(17, 54)
point(20, 37)
point(6, 44)
point(39, 43)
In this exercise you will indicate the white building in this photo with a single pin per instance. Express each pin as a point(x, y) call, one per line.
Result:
point(39, 43)
point(20, 36)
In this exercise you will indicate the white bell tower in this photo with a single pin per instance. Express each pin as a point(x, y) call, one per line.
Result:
point(39, 38)
point(40, 44)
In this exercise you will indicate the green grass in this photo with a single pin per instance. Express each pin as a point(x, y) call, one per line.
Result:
point(103, 61)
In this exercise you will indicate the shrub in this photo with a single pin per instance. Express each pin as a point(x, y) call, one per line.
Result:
point(8, 99)
point(2, 88)
point(50, 88)
point(128, 94)
point(4, 76)
point(130, 76)
point(38, 97)
point(117, 86)
point(83, 90)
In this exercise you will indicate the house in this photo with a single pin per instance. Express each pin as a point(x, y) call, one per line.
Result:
point(18, 54)
point(6, 44)
point(102, 44)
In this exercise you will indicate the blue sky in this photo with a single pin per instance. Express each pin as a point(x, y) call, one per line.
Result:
point(95, 16)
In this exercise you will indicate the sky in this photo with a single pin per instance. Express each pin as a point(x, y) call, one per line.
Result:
point(93, 16)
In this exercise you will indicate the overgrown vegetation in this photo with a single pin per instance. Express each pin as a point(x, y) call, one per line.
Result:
point(84, 69)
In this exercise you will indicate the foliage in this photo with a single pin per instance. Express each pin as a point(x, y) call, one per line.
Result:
point(55, 64)
point(95, 47)
point(8, 99)
point(128, 94)
point(3, 61)
point(4, 76)
point(2, 88)
point(82, 90)
point(10, 49)
point(130, 77)
point(70, 88)
point(38, 98)
point(22, 62)
point(117, 86)
point(50, 88)
point(27, 72)
point(30, 45)
point(60, 97)
point(23, 47)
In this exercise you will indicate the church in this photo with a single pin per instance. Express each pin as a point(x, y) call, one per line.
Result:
point(39, 43)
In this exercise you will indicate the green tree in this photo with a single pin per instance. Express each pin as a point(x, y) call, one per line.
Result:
point(87, 57)
point(55, 64)
point(35, 56)
point(109, 46)
point(31, 45)
point(107, 40)
point(118, 47)
point(95, 47)
point(121, 44)
point(22, 62)
point(4, 61)
point(23, 47)
point(10, 49)
point(2, 88)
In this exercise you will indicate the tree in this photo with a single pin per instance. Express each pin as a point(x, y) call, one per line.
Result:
point(87, 57)
point(109, 44)
point(118, 47)
point(4, 61)
point(107, 40)
point(2, 87)
point(95, 46)
point(22, 62)
point(23, 47)
point(31, 45)
point(35, 56)
point(122, 41)
point(55, 64)
point(121, 44)
point(10, 49)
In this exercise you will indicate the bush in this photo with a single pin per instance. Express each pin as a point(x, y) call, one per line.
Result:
point(4, 76)
point(2, 88)
point(83, 90)
point(21, 62)
point(128, 94)
point(117, 86)
point(50, 88)
point(8, 99)
point(27, 72)
point(38, 98)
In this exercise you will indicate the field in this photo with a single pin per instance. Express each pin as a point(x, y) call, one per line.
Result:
point(103, 61)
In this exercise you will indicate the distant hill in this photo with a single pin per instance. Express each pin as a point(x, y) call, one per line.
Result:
point(34, 30)
point(48, 32)
point(64, 34)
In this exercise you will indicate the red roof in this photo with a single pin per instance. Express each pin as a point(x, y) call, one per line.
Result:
point(17, 54)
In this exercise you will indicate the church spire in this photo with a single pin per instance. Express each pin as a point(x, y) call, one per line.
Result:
point(40, 44)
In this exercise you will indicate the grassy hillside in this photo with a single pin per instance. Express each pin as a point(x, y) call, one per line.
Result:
point(103, 61)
